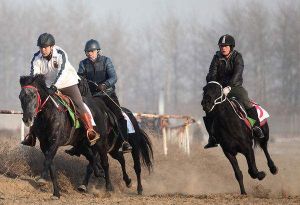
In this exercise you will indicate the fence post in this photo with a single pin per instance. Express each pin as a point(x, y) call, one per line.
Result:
point(165, 141)
point(22, 132)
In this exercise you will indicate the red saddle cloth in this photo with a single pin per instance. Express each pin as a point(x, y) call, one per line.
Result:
point(240, 111)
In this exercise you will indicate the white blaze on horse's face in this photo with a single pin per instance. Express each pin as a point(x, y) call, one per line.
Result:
point(28, 100)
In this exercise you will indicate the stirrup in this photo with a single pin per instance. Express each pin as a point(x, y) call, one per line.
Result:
point(94, 140)
point(129, 148)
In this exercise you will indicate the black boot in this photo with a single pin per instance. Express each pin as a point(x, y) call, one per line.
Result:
point(126, 147)
point(212, 142)
point(252, 113)
point(29, 139)
point(73, 151)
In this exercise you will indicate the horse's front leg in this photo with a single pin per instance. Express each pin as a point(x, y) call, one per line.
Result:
point(49, 166)
point(238, 173)
point(104, 163)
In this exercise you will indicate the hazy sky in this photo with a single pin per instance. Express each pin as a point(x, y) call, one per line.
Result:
point(138, 12)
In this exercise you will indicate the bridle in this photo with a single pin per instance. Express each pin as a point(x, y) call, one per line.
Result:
point(220, 99)
point(40, 105)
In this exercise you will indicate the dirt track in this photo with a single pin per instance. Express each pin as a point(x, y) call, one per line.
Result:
point(205, 177)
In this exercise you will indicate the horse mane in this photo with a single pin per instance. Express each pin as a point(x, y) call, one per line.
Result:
point(38, 80)
point(84, 88)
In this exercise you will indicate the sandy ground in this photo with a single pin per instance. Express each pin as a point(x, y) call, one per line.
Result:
point(204, 177)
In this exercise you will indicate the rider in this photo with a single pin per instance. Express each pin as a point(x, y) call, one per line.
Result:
point(227, 69)
point(60, 75)
point(100, 70)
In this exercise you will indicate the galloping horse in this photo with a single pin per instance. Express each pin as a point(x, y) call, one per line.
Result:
point(233, 134)
point(139, 140)
point(53, 128)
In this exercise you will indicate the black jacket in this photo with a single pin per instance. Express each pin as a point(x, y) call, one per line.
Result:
point(227, 72)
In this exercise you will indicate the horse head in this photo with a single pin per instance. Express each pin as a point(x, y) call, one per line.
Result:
point(33, 90)
point(212, 95)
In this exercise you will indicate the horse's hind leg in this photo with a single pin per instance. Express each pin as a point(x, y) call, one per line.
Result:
point(264, 145)
point(238, 173)
point(137, 169)
point(120, 157)
point(252, 169)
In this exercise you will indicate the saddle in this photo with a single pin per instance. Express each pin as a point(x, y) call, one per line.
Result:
point(241, 113)
point(66, 104)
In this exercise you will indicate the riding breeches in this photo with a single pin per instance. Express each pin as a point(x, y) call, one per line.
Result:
point(241, 94)
point(74, 93)
point(112, 106)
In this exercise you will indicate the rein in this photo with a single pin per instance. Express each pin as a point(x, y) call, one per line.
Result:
point(40, 105)
point(220, 99)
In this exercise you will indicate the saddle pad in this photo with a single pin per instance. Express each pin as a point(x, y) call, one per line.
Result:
point(130, 127)
point(262, 113)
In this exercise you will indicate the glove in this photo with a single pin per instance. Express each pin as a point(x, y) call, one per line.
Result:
point(52, 90)
point(226, 90)
point(102, 87)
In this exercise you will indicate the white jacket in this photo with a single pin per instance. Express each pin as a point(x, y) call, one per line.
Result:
point(58, 70)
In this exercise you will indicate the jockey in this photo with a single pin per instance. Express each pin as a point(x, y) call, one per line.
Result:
point(227, 68)
point(100, 70)
point(53, 62)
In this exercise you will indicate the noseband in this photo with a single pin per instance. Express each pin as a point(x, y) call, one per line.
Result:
point(220, 99)
point(40, 105)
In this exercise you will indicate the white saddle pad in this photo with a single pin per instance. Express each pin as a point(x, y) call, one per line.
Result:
point(130, 127)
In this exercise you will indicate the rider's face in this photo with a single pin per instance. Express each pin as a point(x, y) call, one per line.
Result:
point(92, 55)
point(46, 51)
point(225, 50)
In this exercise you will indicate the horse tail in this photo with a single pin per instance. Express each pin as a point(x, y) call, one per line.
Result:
point(146, 151)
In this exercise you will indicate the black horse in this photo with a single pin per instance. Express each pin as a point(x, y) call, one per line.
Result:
point(139, 140)
point(233, 134)
point(53, 128)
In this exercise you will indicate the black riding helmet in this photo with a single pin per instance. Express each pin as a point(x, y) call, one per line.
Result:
point(226, 40)
point(45, 39)
point(91, 45)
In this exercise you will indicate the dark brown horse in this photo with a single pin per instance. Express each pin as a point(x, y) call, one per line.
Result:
point(233, 134)
point(139, 140)
point(53, 127)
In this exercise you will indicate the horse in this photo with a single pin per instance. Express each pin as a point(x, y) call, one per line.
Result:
point(233, 134)
point(53, 128)
point(139, 140)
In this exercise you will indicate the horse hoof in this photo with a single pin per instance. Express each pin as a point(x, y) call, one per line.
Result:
point(109, 188)
point(243, 193)
point(82, 188)
point(140, 192)
point(128, 183)
point(41, 182)
point(261, 175)
point(274, 170)
point(54, 197)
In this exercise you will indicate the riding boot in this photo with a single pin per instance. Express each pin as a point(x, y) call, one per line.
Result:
point(73, 151)
point(212, 142)
point(29, 139)
point(252, 113)
point(91, 134)
point(126, 147)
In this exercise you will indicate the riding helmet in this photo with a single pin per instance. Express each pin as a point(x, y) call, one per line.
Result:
point(45, 39)
point(226, 40)
point(91, 45)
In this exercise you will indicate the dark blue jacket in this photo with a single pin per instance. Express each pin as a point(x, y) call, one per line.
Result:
point(101, 71)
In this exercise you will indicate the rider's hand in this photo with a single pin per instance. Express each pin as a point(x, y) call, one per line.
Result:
point(226, 90)
point(52, 90)
point(102, 87)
